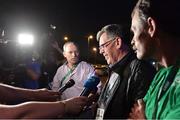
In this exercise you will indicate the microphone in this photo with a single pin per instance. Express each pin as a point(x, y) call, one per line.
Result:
point(69, 84)
point(90, 85)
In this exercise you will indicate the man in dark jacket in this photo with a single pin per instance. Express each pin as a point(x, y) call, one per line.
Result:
point(129, 78)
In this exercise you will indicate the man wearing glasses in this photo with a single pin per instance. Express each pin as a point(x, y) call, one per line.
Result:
point(129, 78)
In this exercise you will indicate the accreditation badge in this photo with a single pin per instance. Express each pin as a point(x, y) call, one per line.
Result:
point(100, 114)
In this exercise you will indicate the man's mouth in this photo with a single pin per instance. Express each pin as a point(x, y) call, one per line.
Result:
point(135, 49)
point(74, 59)
point(105, 55)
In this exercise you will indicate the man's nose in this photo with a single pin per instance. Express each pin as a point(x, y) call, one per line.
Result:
point(101, 51)
point(74, 54)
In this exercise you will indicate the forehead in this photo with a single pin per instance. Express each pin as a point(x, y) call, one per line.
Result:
point(70, 47)
point(135, 20)
point(104, 38)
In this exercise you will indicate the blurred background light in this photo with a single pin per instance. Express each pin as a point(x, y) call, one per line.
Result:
point(25, 39)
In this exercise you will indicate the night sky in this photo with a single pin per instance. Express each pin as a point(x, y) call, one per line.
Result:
point(75, 18)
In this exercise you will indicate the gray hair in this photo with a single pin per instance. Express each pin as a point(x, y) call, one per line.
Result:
point(164, 12)
point(115, 30)
point(67, 43)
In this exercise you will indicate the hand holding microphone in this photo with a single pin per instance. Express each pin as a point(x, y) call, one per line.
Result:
point(90, 85)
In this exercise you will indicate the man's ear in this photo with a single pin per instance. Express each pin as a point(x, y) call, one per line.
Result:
point(64, 54)
point(151, 26)
point(118, 42)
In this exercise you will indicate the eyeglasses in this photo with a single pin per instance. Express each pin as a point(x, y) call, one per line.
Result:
point(106, 44)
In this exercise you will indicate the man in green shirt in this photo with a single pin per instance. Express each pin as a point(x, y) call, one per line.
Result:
point(155, 24)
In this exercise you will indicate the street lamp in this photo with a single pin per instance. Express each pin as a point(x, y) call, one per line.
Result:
point(95, 53)
point(90, 37)
point(66, 38)
point(95, 49)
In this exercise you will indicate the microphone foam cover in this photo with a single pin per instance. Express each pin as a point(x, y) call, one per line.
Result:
point(92, 82)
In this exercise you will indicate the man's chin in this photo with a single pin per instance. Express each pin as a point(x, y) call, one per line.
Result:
point(139, 56)
point(108, 62)
point(143, 57)
point(75, 62)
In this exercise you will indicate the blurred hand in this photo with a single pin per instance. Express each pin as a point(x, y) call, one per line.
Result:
point(55, 45)
point(75, 105)
point(92, 98)
point(138, 111)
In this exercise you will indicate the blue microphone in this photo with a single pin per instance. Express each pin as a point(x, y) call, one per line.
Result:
point(90, 85)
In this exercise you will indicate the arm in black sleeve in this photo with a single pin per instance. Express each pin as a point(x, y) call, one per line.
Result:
point(143, 75)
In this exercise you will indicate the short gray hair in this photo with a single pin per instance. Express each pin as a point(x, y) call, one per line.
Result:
point(70, 42)
point(164, 12)
point(115, 30)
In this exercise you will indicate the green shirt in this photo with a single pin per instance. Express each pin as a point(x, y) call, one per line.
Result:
point(169, 103)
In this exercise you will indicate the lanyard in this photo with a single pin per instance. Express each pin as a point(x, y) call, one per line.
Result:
point(168, 81)
point(109, 91)
point(68, 73)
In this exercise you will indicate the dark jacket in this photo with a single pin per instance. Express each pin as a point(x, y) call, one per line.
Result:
point(132, 78)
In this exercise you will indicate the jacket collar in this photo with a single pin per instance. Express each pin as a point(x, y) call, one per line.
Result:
point(121, 64)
